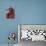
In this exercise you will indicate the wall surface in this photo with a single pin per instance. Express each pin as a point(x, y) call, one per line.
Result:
point(31, 11)
point(6, 25)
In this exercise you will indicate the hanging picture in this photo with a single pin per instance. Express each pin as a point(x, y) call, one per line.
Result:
point(11, 13)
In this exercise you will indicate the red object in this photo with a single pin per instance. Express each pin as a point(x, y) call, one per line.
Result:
point(11, 13)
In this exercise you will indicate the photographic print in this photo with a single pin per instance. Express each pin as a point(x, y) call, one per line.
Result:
point(31, 33)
